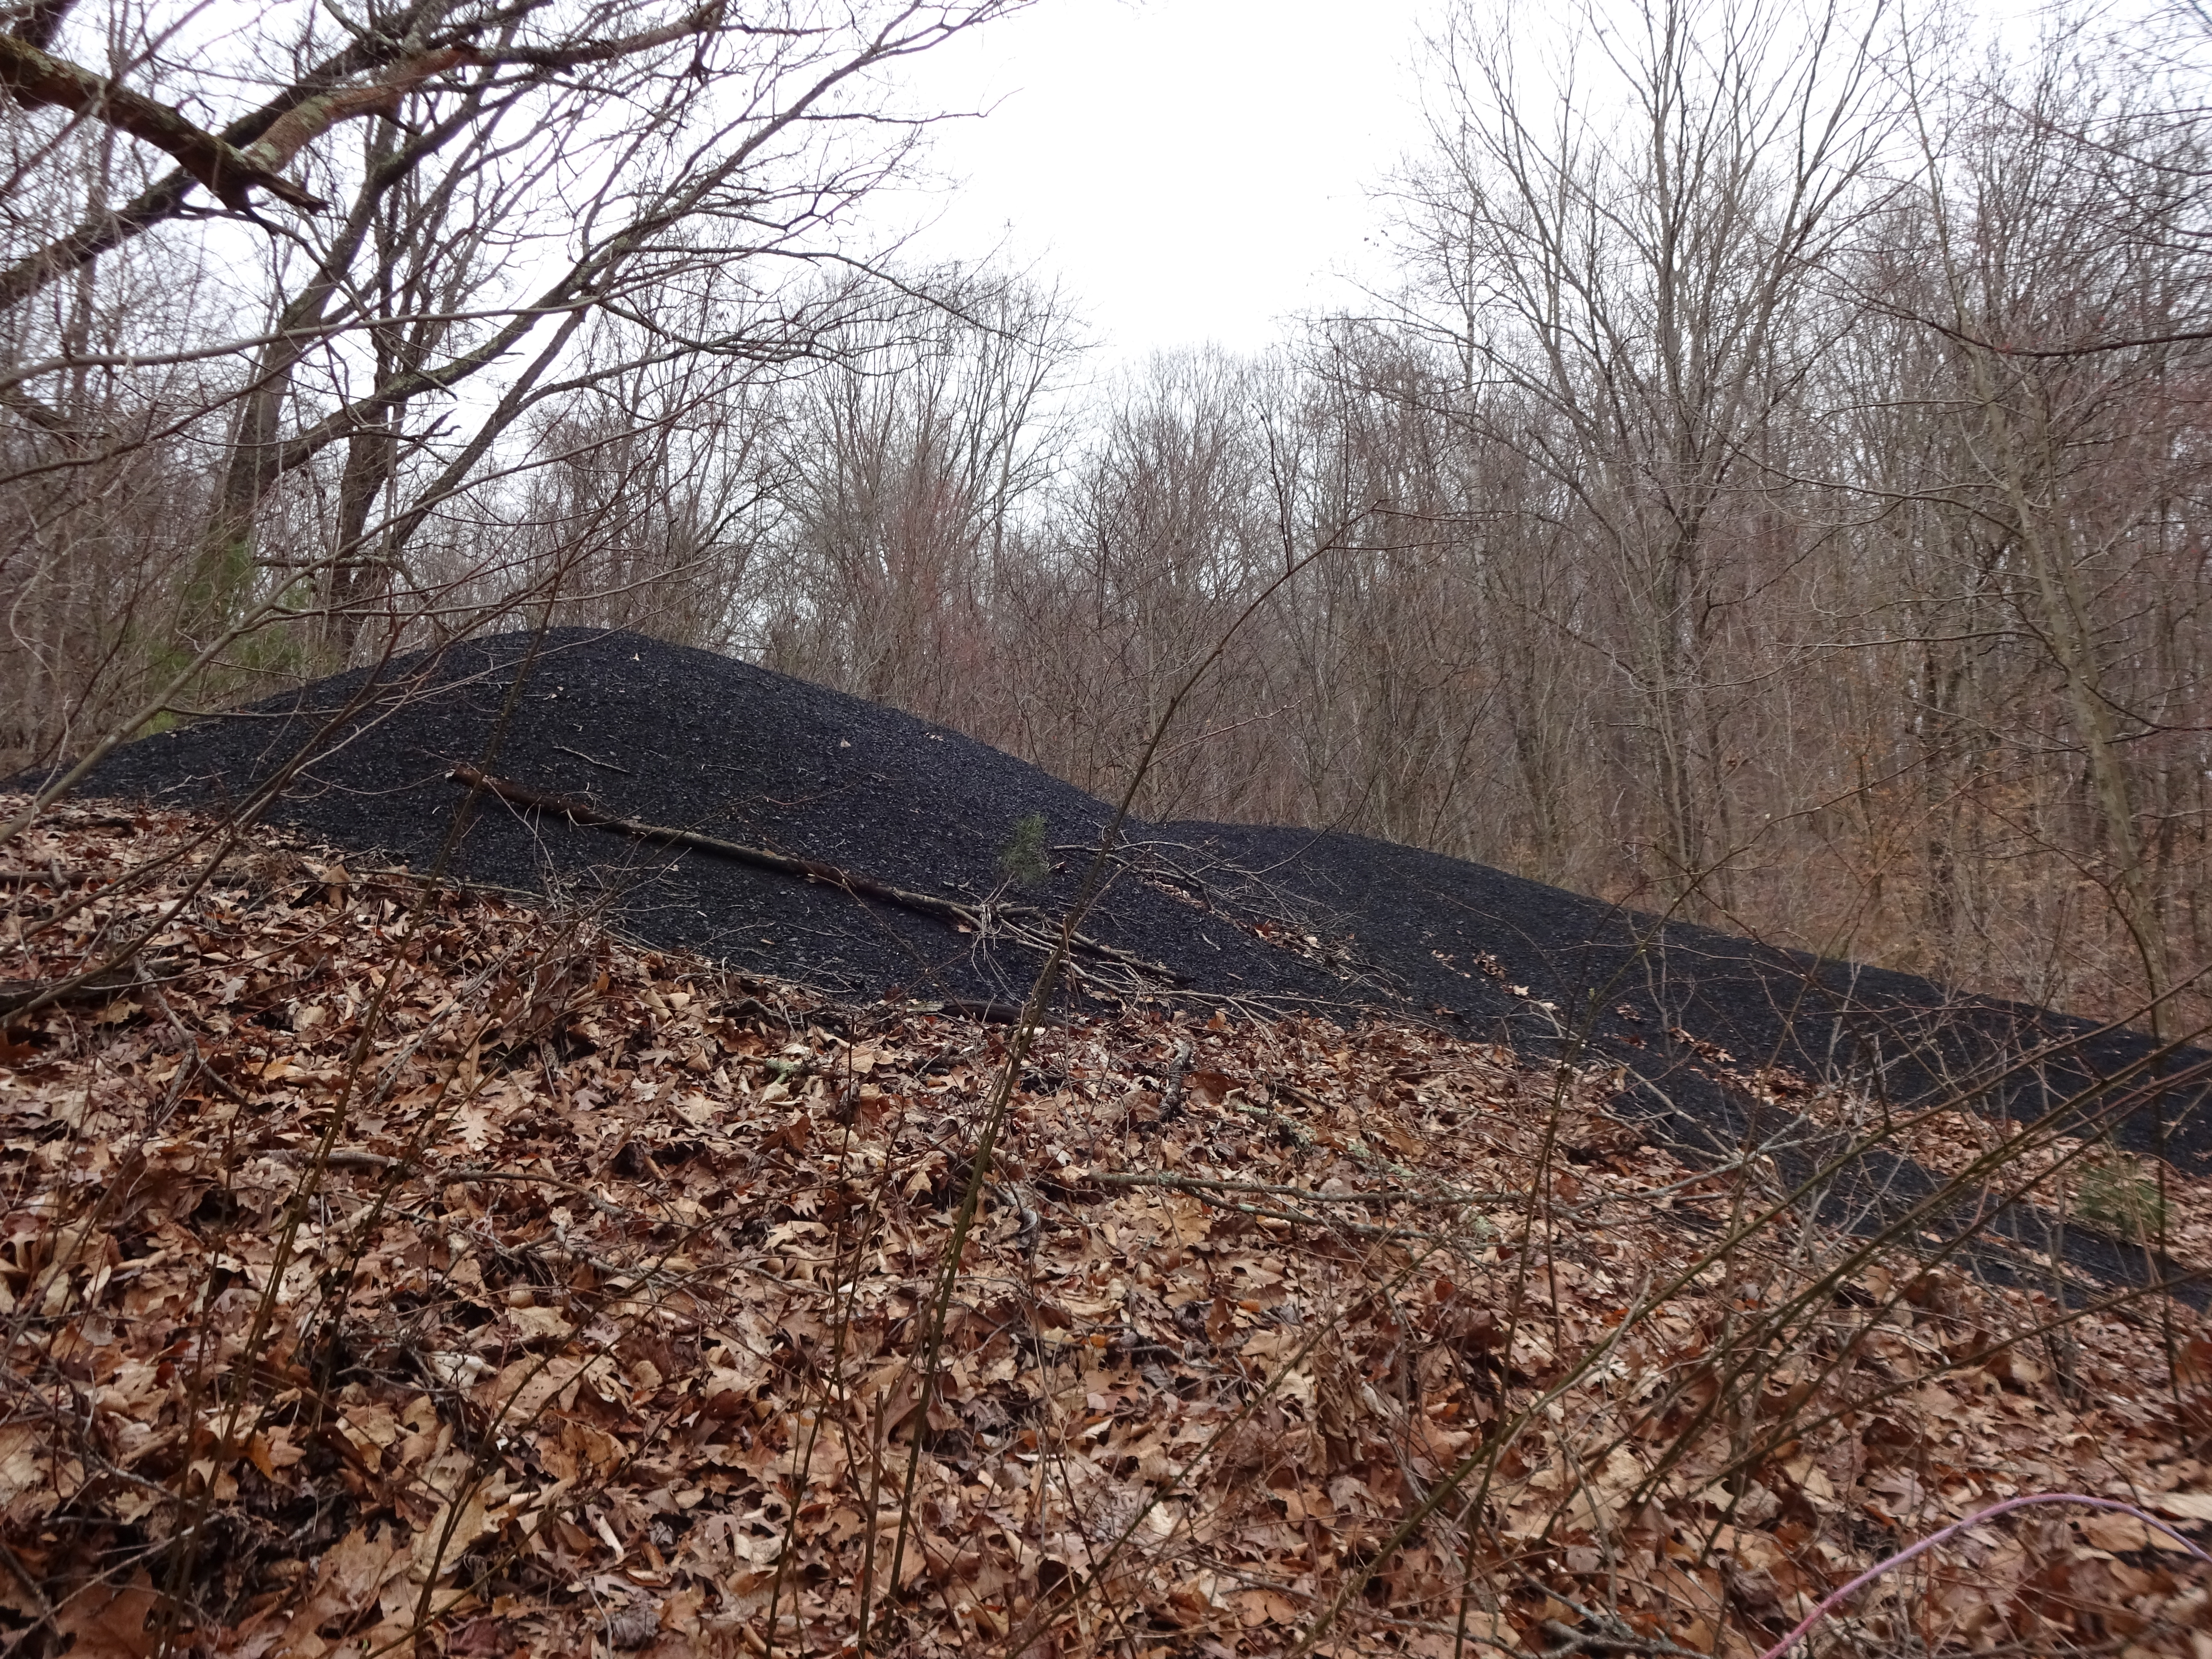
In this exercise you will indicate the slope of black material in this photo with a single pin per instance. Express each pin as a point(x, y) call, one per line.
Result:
point(1688, 1010)
point(695, 741)
point(1280, 918)
point(1669, 999)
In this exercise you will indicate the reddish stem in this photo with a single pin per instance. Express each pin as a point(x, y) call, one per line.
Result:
point(1936, 1538)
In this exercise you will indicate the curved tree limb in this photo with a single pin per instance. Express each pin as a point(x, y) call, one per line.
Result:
point(37, 77)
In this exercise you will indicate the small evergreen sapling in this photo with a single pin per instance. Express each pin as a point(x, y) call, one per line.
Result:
point(1022, 862)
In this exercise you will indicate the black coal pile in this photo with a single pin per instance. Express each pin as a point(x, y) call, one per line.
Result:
point(951, 889)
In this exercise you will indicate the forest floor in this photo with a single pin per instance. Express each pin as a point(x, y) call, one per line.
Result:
point(394, 1268)
point(471, 1226)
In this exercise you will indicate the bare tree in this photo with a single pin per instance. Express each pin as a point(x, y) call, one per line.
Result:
point(909, 469)
point(2059, 258)
point(1635, 254)
point(518, 171)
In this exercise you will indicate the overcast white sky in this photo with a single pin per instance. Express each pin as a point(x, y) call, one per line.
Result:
point(1193, 170)
point(1198, 170)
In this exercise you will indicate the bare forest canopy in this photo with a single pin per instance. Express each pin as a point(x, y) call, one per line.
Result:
point(1773, 491)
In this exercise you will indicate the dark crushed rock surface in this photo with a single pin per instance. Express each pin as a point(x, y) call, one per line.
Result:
point(1673, 1000)
point(1268, 919)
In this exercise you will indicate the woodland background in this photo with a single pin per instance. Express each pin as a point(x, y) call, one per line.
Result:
point(1775, 490)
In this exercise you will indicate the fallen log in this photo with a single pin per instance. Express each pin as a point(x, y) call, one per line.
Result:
point(829, 875)
point(91, 990)
point(578, 812)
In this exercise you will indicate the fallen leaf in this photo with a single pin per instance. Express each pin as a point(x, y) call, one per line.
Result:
point(108, 1623)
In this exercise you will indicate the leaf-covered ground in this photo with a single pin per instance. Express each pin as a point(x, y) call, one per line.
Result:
point(387, 1270)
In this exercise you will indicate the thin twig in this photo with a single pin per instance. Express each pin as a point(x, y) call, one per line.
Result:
point(1210, 1184)
point(605, 765)
point(1836, 1597)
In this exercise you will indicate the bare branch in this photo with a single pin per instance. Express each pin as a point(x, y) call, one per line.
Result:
point(36, 78)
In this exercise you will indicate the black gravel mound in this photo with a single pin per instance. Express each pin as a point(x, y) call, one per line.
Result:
point(1267, 920)
point(1672, 1002)
point(694, 741)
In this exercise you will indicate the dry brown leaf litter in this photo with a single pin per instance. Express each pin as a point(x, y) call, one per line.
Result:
point(596, 1328)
